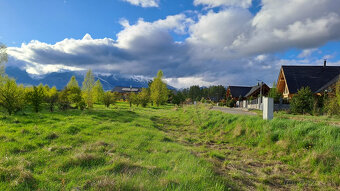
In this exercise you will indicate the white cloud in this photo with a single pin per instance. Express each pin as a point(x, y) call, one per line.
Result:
point(144, 3)
point(307, 53)
point(188, 81)
point(220, 46)
point(218, 3)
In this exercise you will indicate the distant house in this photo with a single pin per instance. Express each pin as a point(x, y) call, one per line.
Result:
point(126, 90)
point(245, 92)
point(318, 78)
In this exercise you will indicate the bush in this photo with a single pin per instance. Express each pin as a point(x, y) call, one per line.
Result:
point(333, 103)
point(302, 102)
point(231, 103)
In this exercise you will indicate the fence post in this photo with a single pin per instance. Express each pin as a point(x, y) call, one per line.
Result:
point(268, 108)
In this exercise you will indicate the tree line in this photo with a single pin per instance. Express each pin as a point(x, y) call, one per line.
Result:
point(15, 98)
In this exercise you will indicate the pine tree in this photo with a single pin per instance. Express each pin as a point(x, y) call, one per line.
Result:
point(158, 90)
point(98, 92)
point(73, 83)
point(87, 89)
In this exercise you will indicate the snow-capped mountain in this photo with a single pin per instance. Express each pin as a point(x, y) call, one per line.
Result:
point(60, 79)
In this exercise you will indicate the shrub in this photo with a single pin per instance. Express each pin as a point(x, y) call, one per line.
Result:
point(302, 102)
point(333, 103)
point(231, 103)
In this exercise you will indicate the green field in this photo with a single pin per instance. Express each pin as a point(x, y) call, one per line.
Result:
point(165, 148)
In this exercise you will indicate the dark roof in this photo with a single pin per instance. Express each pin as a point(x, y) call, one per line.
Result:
point(330, 83)
point(126, 89)
point(314, 77)
point(237, 91)
point(254, 89)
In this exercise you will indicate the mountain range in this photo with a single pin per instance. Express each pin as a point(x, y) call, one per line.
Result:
point(60, 79)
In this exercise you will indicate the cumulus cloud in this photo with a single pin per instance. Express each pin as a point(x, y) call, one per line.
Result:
point(218, 3)
point(219, 46)
point(144, 3)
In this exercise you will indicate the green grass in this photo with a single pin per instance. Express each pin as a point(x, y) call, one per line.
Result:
point(100, 149)
point(312, 147)
point(165, 148)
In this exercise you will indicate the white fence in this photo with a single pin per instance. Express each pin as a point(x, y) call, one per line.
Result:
point(257, 104)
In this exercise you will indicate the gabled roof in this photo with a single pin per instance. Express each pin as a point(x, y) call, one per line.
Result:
point(126, 89)
point(330, 83)
point(237, 91)
point(314, 77)
point(254, 89)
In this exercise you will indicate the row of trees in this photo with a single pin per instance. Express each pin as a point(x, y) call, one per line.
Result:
point(14, 98)
point(213, 93)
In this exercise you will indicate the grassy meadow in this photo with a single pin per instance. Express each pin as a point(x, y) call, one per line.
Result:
point(165, 148)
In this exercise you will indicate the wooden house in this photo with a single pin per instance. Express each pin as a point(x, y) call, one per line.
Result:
point(318, 78)
point(245, 92)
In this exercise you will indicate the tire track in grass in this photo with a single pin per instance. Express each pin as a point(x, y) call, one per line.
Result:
point(242, 166)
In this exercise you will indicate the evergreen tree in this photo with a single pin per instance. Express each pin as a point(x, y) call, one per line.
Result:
point(158, 90)
point(87, 89)
point(73, 83)
point(98, 92)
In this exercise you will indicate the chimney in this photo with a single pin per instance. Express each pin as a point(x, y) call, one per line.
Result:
point(325, 63)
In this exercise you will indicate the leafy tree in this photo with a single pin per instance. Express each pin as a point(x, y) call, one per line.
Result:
point(71, 94)
point(87, 88)
point(63, 100)
point(36, 97)
point(333, 103)
point(143, 97)
point(302, 102)
point(109, 98)
point(51, 97)
point(73, 83)
point(132, 98)
point(98, 92)
point(158, 90)
point(11, 96)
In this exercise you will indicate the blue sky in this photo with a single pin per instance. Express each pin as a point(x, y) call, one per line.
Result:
point(194, 41)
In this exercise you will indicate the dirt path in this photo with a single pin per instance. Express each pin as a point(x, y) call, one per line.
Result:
point(242, 167)
point(233, 110)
